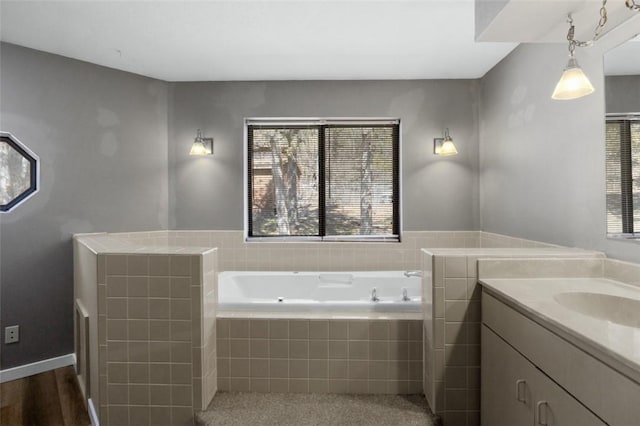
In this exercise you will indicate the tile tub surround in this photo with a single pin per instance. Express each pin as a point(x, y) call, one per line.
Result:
point(157, 359)
point(320, 355)
point(451, 312)
point(235, 254)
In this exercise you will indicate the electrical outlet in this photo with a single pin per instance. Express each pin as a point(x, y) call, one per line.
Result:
point(12, 334)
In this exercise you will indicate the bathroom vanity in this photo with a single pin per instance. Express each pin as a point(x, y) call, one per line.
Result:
point(560, 351)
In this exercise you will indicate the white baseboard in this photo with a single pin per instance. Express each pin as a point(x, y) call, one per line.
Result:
point(36, 367)
point(92, 414)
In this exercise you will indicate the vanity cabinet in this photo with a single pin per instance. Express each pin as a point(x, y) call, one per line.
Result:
point(515, 392)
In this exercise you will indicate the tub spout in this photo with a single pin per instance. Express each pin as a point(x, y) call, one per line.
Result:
point(405, 296)
point(374, 295)
point(412, 274)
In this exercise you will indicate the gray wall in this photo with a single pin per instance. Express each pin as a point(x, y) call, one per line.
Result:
point(101, 136)
point(623, 93)
point(438, 193)
point(542, 161)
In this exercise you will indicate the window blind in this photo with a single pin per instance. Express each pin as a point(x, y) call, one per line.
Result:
point(623, 175)
point(329, 180)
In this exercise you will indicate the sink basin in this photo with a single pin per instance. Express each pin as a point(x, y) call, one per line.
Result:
point(617, 309)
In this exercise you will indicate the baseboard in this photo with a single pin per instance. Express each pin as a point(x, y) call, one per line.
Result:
point(36, 367)
point(93, 416)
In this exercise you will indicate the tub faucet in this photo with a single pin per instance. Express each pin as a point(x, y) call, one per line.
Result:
point(374, 295)
point(405, 296)
point(412, 274)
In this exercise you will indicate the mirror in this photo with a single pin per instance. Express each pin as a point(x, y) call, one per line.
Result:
point(622, 94)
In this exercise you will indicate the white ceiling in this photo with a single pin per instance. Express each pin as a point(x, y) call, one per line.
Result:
point(259, 40)
point(624, 59)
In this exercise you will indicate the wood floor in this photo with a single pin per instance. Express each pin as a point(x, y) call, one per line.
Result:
point(47, 399)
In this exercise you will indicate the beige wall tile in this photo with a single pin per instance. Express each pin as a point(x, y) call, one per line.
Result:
point(139, 373)
point(116, 264)
point(279, 368)
point(455, 288)
point(298, 329)
point(299, 349)
point(238, 328)
point(139, 394)
point(159, 330)
point(358, 349)
point(117, 372)
point(278, 329)
point(180, 352)
point(160, 351)
point(279, 385)
point(338, 330)
point(180, 287)
point(180, 266)
point(180, 309)
point(279, 348)
point(138, 308)
point(298, 368)
point(318, 386)
point(137, 286)
point(116, 329)
point(116, 286)
point(455, 267)
point(358, 330)
point(338, 369)
point(378, 350)
point(117, 308)
point(138, 265)
point(159, 373)
point(259, 329)
point(159, 308)
point(138, 351)
point(318, 349)
point(239, 367)
point(379, 330)
point(159, 287)
point(118, 394)
point(180, 330)
point(119, 415)
point(181, 374)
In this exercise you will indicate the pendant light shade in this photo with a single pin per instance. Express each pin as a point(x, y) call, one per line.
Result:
point(573, 84)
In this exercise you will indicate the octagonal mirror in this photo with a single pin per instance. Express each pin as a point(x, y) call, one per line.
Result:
point(18, 172)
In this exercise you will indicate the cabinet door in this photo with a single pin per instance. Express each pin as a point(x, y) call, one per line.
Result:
point(555, 407)
point(507, 384)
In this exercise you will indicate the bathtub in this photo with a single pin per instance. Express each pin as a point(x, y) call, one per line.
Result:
point(319, 292)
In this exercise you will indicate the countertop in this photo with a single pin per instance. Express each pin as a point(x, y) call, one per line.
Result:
point(514, 252)
point(614, 344)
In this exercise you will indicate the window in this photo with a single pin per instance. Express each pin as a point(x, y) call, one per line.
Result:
point(324, 179)
point(623, 175)
point(18, 172)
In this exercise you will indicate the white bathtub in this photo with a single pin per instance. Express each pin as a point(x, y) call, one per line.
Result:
point(340, 292)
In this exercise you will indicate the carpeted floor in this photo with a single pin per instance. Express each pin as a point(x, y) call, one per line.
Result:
point(249, 409)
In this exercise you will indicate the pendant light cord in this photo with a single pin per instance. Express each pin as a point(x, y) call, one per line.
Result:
point(573, 43)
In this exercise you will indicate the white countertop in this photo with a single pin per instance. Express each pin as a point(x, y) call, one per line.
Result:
point(616, 345)
point(514, 252)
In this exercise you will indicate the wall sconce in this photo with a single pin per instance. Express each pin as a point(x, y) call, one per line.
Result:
point(201, 146)
point(444, 146)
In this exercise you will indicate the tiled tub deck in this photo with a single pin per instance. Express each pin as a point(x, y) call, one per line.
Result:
point(296, 355)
